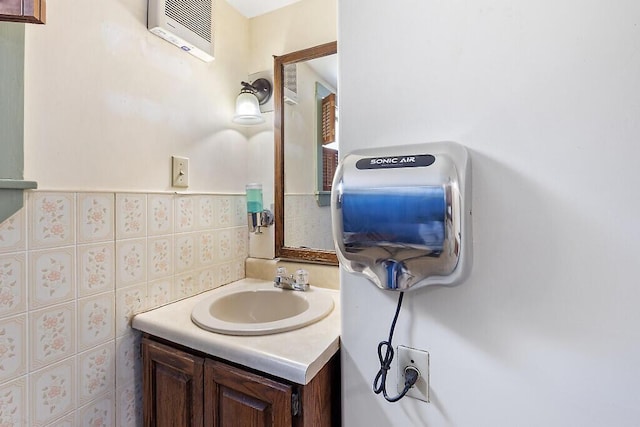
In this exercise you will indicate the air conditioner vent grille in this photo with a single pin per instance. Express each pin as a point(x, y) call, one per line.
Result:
point(193, 14)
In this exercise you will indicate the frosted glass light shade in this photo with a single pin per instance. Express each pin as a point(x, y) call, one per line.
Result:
point(247, 110)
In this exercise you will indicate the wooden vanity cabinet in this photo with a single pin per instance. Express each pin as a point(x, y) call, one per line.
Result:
point(187, 389)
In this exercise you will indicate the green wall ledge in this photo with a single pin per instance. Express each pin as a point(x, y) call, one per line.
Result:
point(11, 197)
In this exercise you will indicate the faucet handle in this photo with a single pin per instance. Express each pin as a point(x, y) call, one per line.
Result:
point(302, 277)
point(302, 280)
point(280, 281)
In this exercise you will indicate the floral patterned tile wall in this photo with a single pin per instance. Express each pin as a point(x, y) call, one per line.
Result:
point(74, 269)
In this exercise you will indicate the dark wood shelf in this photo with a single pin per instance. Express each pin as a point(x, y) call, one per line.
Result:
point(26, 11)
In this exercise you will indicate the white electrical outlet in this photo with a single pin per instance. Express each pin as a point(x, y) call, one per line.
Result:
point(420, 360)
point(180, 171)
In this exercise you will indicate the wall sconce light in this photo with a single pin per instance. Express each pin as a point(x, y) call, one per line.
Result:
point(248, 102)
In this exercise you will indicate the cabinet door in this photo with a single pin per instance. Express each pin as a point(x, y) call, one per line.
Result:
point(236, 398)
point(173, 386)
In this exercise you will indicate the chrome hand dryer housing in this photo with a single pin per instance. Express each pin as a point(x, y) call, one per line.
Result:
point(401, 215)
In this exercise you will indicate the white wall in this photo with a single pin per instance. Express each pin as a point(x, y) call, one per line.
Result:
point(546, 331)
point(107, 103)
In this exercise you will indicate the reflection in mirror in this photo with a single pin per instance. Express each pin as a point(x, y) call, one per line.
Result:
point(309, 124)
point(306, 144)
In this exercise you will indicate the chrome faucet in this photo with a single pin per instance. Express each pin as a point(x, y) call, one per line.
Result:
point(297, 282)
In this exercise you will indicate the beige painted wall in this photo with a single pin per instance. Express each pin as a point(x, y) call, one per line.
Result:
point(107, 102)
point(298, 26)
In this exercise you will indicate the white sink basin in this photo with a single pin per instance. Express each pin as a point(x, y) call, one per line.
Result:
point(261, 311)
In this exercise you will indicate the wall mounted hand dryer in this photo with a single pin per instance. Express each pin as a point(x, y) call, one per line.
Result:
point(402, 215)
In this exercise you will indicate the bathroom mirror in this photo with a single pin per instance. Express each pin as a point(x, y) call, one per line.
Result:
point(305, 121)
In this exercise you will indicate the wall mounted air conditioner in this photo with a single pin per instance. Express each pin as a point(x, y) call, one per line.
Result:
point(187, 24)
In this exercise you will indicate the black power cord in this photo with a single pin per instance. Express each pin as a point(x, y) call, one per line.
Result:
point(411, 374)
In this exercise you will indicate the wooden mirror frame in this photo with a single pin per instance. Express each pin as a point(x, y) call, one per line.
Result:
point(282, 251)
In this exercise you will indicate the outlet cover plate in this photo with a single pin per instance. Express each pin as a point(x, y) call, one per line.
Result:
point(180, 171)
point(420, 359)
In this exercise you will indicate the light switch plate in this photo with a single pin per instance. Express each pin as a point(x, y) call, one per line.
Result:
point(419, 359)
point(180, 171)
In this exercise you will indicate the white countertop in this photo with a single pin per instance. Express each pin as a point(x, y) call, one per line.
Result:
point(296, 355)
